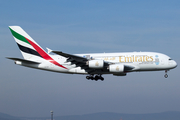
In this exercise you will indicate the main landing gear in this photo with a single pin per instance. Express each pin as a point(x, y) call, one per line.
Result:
point(96, 78)
point(165, 74)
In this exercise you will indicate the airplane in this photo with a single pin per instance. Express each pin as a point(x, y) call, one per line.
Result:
point(94, 65)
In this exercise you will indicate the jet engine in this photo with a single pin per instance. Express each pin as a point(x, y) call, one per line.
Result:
point(96, 64)
point(117, 68)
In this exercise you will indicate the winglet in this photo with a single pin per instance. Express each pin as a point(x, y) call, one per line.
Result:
point(49, 50)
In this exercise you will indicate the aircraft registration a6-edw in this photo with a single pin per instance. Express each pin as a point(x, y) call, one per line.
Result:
point(93, 65)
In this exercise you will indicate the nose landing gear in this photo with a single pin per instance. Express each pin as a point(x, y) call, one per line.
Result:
point(165, 74)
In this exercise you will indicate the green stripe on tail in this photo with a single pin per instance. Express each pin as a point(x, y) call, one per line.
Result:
point(18, 36)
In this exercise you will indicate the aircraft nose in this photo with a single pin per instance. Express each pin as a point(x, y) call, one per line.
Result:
point(174, 64)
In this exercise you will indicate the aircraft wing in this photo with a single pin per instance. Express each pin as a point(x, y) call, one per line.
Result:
point(82, 62)
point(128, 68)
point(75, 57)
point(78, 61)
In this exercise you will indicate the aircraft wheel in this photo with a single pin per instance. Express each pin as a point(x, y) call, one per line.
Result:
point(165, 75)
point(102, 78)
point(96, 78)
point(87, 77)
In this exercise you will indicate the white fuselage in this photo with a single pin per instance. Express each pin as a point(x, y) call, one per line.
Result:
point(140, 61)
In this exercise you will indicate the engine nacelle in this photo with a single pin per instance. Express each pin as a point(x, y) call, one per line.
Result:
point(96, 64)
point(117, 68)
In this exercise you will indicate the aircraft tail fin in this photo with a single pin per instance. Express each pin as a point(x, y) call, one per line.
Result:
point(28, 47)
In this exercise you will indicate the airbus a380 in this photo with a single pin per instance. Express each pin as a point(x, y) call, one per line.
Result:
point(93, 65)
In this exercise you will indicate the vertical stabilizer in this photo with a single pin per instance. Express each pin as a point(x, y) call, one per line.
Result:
point(28, 47)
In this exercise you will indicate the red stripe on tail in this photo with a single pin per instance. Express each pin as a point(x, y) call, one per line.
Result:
point(44, 54)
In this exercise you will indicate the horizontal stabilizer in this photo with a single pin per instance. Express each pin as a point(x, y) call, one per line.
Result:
point(23, 60)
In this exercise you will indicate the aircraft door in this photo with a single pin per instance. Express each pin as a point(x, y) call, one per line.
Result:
point(161, 61)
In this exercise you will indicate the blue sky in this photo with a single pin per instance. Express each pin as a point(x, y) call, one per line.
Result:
point(89, 27)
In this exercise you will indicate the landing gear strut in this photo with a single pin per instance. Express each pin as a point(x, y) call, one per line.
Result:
point(165, 74)
point(96, 78)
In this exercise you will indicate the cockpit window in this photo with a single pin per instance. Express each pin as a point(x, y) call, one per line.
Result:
point(170, 59)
